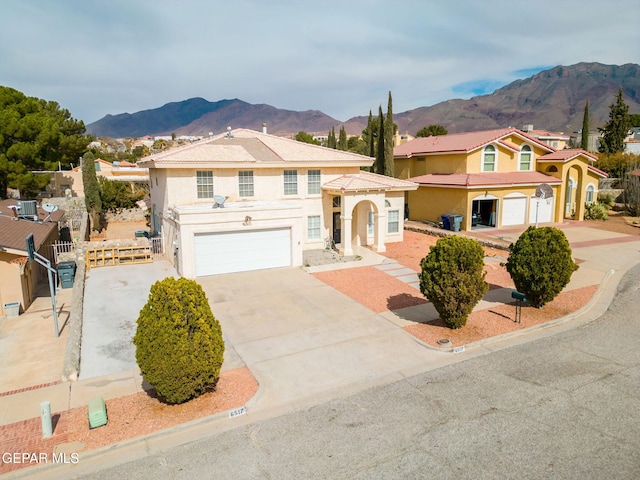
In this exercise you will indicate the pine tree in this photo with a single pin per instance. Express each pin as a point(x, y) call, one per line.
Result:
point(615, 130)
point(381, 140)
point(585, 128)
point(342, 139)
point(389, 133)
point(91, 191)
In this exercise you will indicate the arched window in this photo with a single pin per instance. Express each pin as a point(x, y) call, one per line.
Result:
point(489, 155)
point(525, 158)
point(591, 193)
point(552, 169)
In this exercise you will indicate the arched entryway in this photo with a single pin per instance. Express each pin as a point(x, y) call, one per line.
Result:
point(573, 198)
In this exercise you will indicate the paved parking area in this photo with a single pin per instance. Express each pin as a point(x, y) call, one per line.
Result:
point(113, 299)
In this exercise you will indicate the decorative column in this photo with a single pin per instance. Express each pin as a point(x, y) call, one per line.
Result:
point(345, 234)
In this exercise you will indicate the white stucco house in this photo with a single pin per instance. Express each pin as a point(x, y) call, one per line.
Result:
point(247, 200)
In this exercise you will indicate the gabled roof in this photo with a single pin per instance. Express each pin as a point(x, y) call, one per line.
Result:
point(364, 181)
point(544, 134)
point(463, 143)
point(566, 155)
point(14, 231)
point(474, 180)
point(248, 147)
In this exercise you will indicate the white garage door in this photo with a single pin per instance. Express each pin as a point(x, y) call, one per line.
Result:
point(545, 210)
point(514, 211)
point(242, 251)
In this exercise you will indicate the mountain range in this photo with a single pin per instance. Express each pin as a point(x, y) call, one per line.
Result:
point(553, 99)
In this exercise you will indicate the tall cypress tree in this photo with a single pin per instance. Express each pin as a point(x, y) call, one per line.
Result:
point(342, 139)
point(389, 133)
point(381, 140)
point(92, 199)
point(585, 128)
point(371, 136)
point(331, 140)
point(615, 130)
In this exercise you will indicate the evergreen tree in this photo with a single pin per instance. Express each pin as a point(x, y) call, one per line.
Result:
point(331, 140)
point(371, 136)
point(342, 139)
point(432, 130)
point(91, 190)
point(585, 128)
point(616, 129)
point(381, 140)
point(389, 134)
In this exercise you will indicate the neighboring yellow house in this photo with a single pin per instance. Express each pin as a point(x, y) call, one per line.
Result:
point(247, 200)
point(490, 178)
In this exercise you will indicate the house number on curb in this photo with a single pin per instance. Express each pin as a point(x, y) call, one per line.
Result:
point(458, 349)
point(237, 412)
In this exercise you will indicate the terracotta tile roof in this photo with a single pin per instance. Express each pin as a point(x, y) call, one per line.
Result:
point(566, 155)
point(598, 171)
point(485, 179)
point(251, 147)
point(462, 142)
point(368, 181)
point(548, 135)
point(14, 231)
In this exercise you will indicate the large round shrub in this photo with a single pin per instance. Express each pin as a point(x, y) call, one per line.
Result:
point(452, 278)
point(179, 345)
point(540, 264)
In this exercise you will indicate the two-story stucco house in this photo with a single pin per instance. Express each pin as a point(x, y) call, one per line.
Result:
point(491, 177)
point(247, 200)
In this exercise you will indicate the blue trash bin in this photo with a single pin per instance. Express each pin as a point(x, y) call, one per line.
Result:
point(445, 221)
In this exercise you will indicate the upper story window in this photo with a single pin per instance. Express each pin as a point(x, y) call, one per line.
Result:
point(245, 183)
point(489, 159)
point(204, 183)
point(591, 193)
point(525, 158)
point(290, 182)
point(313, 182)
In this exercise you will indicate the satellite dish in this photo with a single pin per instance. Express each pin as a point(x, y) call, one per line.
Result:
point(543, 191)
point(219, 201)
point(49, 207)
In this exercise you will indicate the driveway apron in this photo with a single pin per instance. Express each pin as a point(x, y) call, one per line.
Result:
point(300, 337)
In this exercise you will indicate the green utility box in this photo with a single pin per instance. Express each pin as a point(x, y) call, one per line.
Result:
point(97, 412)
point(66, 273)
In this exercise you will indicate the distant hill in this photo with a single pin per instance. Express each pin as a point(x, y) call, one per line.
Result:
point(198, 116)
point(553, 99)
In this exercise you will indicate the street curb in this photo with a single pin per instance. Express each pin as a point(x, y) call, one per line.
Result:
point(525, 331)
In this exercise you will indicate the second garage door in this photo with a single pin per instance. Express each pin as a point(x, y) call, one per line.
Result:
point(514, 211)
point(228, 252)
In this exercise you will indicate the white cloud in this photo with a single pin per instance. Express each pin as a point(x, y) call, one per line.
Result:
point(97, 57)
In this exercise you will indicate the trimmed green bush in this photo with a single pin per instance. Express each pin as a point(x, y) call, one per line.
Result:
point(540, 264)
point(179, 345)
point(595, 211)
point(452, 278)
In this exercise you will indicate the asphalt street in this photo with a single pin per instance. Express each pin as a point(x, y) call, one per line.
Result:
point(565, 406)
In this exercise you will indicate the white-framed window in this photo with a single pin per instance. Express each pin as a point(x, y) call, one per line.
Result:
point(290, 182)
point(591, 193)
point(245, 183)
point(204, 183)
point(489, 159)
point(525, 158)
point(313, 227)
point(371, 220)
point(313, 182)
point(393, 221)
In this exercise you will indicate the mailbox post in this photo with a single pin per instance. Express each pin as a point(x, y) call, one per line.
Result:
point(520, 300)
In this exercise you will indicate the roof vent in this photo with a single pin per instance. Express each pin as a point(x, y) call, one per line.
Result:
point(264, 127)
point(28, 209)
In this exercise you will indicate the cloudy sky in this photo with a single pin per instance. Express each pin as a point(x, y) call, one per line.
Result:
point(340, 57)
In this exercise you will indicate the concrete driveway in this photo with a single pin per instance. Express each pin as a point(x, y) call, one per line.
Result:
point(301, 338)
